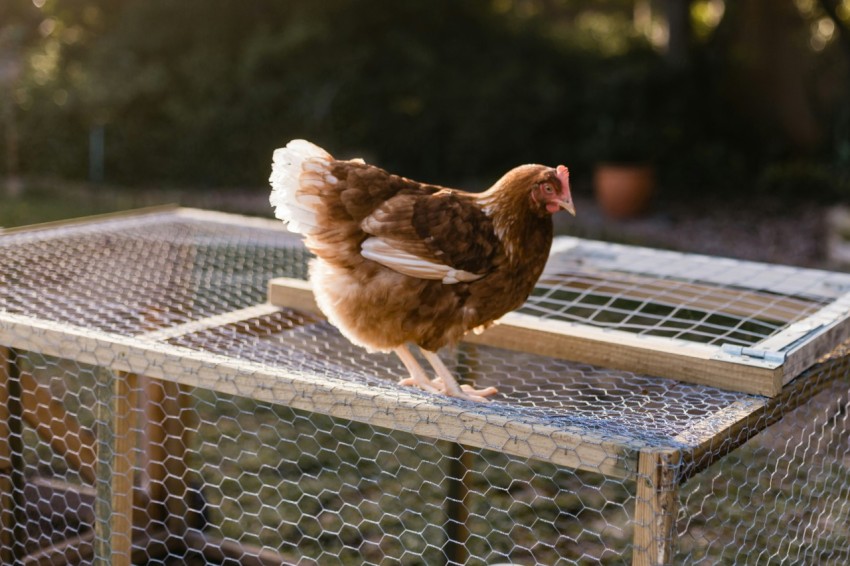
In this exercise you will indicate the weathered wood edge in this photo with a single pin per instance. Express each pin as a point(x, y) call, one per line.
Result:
point(406, 409)
point(650, 355)
point(834, 332)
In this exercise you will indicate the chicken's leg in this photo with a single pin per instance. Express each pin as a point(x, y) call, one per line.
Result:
point(449, 383)
point(417, 374)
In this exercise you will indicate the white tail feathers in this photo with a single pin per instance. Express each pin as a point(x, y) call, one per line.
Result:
point(291, 197)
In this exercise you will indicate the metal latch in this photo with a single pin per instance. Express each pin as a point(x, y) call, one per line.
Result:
point(766, 355)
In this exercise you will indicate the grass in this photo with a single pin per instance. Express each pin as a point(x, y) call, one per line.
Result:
point(46, 200)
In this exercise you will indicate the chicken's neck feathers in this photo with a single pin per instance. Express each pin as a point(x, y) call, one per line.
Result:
point(522, 232)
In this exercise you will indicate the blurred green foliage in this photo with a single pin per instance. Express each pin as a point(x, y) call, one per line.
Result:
point(200, 92)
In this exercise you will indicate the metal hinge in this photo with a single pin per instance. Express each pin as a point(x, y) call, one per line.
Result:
point(766, 355)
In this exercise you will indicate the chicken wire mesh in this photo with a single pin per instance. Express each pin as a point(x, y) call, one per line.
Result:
point(156, 410)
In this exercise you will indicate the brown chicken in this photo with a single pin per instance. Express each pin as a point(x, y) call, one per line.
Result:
point(400, 262)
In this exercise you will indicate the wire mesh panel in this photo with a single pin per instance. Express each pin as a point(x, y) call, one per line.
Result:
point(155, 409)
point(783, 497)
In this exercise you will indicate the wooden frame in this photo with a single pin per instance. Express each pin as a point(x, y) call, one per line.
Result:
point(164, 374)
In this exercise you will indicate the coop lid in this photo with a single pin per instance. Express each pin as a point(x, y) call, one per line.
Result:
point(742, 326)
point(739, 325)
point(180, 295)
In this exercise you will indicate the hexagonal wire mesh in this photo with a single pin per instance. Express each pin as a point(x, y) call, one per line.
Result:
point(156, 410)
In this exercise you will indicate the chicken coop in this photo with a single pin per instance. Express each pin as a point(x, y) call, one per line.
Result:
point(169, 394)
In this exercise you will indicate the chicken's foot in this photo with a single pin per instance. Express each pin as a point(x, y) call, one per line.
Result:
point(447, 382)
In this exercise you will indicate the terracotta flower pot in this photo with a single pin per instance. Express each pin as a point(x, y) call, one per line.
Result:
point(624, 191)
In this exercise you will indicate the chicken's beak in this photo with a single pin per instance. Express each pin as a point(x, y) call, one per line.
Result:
point(567, 204)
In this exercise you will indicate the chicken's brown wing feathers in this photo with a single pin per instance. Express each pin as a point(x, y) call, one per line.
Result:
point(442, 228)
point(455, 229)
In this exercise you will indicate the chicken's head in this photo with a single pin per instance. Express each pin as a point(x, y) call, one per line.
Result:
point(551, 190)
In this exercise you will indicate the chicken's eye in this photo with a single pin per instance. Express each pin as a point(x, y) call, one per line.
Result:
point(547, 188)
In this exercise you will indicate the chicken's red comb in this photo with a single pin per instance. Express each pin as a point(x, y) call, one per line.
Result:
point(564, 176)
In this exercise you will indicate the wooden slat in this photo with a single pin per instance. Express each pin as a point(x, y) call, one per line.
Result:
point(647, 355)
point(218, 551)
point(650, 355)
point(293, 293)
point(406, 410)
point(656, 505)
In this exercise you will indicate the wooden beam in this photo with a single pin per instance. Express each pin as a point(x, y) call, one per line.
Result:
point(116, 440)
point(656, 506)
point(650, 355)
point(218, 550)
point(646, 355)
point(294, 294)
point(406, 409)
point(123, 466)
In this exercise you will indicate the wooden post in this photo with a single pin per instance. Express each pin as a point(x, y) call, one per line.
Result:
point(457, 505)
point(103, 480)
point(114, 485)
point(12, 519)
point(458, 476)
point(656, 506)
point(123, 418)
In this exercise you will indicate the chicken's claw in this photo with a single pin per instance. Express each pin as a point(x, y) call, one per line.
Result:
point(445, 383)
point(472, 394)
